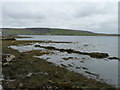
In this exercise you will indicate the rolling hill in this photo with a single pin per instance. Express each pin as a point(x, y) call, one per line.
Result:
point(49, 31)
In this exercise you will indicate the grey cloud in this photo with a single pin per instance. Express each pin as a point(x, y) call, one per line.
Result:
point(97, 17)
point(89, 9)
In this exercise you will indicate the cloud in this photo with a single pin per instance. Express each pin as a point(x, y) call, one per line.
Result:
point(93, 16)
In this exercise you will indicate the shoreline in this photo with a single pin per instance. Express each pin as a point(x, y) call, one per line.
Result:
point(62, 79)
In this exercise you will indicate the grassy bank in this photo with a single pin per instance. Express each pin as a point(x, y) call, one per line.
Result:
point(27, 71)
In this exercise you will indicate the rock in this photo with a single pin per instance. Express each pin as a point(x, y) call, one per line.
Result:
point(5, 38)
point(93, 55)
point(21, 85)
point(98, 55)
point(29, 74)
point(6, 63)
point(114, 58)
point(37, 45)
point(85, 44)
point(7, 58)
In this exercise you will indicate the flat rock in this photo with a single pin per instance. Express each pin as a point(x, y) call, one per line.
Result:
point(6, 58)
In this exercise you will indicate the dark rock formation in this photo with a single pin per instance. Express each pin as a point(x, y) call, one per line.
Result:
point(114, 58)
point(5, 38)
point(93, 55)
point(98, 55)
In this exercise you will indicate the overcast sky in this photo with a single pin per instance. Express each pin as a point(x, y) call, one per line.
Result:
point(92, 16)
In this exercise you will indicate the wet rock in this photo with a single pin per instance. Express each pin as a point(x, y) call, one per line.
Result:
point(98, 55)
point(85, 68)
point(69, 50)
point(91, 73)
point(78, 67)
point(63, 65)
point(37, 45)
point(114, 58)
point(70, 65)
point(85, 45)
point(49, 47)
point(67, 58)
point(93, 55)
point(6, 38)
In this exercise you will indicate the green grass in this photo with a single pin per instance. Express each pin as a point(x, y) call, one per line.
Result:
point(69, 32)
point(52, 32)
point(17, 32)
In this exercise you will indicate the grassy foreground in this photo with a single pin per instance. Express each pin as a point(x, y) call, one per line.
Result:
point(45, 75)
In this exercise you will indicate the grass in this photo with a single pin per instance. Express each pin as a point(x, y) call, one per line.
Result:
point(70, 32)
point(53, 32)
point(18, 32)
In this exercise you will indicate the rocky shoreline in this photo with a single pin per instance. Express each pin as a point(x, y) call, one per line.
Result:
point(23, 71)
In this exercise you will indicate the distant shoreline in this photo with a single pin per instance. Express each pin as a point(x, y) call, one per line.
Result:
point(51, 31)
point(68, 35)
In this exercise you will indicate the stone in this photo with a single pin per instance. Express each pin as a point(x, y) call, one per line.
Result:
point(7, 58)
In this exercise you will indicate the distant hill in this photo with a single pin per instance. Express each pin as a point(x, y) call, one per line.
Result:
point(48, 31)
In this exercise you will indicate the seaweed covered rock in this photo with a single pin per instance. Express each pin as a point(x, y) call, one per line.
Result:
point(37, 45)
point(6, 38)
point(111, 58)
point(93, 55)
point(98, 55)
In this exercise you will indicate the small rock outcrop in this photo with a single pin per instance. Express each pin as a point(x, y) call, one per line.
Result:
point(98, 55)
point(111, 58)
point(6, 38)
point(7, 58)
point(92, 54)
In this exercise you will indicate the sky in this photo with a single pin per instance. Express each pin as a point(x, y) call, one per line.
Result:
point(100, 17)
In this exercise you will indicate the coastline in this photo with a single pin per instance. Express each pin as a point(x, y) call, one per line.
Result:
point(62, 79)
